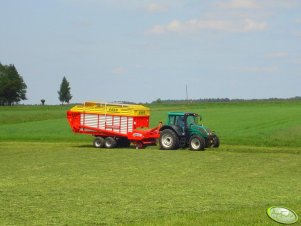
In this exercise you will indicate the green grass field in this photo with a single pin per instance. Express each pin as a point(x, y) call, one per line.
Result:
point(50, 176)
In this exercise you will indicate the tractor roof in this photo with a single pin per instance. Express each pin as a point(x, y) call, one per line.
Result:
point(183, 113)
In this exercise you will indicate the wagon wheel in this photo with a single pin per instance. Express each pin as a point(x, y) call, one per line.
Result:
point(99, 142)
point(110, 142)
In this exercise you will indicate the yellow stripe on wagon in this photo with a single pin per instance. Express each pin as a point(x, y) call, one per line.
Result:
point(112, 109)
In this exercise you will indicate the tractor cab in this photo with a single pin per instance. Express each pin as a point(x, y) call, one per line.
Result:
point(184, 121)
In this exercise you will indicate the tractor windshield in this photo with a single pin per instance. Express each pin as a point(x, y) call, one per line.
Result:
point(192, 120)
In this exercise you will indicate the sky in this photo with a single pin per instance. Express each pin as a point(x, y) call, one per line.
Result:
point(134, 50)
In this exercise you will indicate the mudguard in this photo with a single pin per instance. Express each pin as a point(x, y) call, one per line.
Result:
point(178, 130)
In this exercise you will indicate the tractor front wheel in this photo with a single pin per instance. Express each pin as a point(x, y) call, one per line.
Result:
point(168, 140)
point(215, 143)
point(110, 142)
point(196, 143)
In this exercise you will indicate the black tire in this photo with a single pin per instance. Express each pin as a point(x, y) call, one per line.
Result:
point(110, 142)
point(99, 142)
point(196, 143)
point(215, 143)
point(168, 140)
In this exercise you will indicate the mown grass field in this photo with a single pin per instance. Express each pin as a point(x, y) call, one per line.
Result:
point(49, 176)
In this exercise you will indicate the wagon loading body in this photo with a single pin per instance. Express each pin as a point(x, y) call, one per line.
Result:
point(113, 124)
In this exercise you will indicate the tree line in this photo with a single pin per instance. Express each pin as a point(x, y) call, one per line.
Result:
point(13, 88)
point(213, 100)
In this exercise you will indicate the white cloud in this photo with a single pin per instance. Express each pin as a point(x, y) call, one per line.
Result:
point(281, 3)
point(119, 70)
point(251, 25)
point(156, 8)
point(157, 29)
point(297, 33)
point(297, 61)
point(258, 69)
point(176, 26)
point(195, 25)
point(239, 4)
point(298, 21)
point(83, 23)
point(277, 55)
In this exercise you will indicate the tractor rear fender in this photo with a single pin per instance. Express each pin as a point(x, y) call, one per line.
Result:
point(176, 129)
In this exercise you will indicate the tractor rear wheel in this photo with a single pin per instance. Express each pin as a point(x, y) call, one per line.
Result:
point(99, 142)
point(110, 142)
point(216, 142)
point(169, 140)
point(196, 143)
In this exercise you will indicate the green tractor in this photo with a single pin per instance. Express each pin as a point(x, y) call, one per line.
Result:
point(182, 130)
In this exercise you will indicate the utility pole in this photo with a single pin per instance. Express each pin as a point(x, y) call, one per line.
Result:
point(186, 93)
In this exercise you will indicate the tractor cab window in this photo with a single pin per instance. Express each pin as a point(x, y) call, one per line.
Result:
point(192, 120)
point(171, 120)
point(180, 121)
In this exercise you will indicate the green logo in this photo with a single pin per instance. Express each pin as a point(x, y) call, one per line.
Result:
point(282, 215)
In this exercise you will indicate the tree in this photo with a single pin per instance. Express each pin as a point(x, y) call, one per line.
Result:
point(12, 85)
point(158, 101)
point(64, 92)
